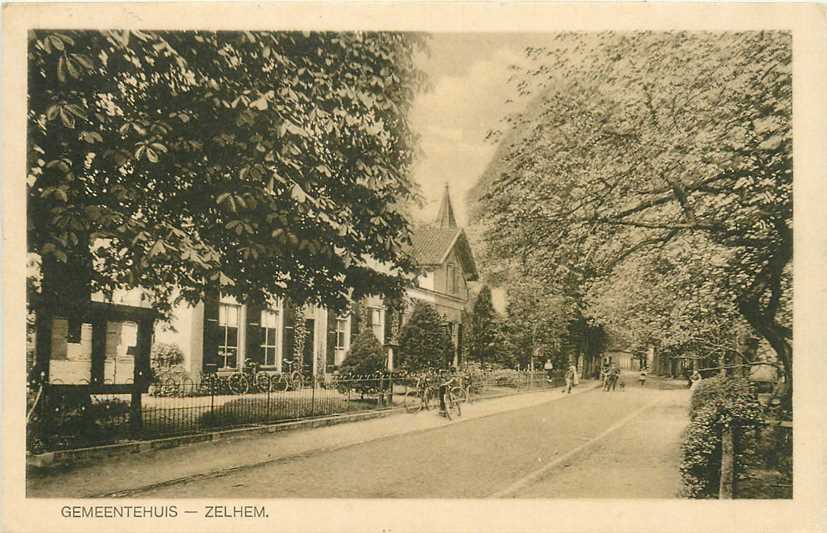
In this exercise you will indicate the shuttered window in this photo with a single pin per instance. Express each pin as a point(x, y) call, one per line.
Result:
point(341, 333)
point(270, 336)
point(228, 321)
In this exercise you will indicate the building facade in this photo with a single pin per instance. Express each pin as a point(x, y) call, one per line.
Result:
point(221, 334)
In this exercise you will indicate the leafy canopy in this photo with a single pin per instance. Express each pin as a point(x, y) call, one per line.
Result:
point(636, 142)
point(260, 162)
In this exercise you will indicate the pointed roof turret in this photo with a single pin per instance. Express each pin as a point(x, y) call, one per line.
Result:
point(445, 217)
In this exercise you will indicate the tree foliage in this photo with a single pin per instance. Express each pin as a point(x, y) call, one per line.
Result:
point(423, 341)
point(637, 142)
point(261, 162)
point(365, 357)
point(483, 327)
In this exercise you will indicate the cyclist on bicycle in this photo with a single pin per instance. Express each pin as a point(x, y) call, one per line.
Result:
point(447, 378)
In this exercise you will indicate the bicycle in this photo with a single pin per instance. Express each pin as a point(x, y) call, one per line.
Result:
point(173, 381)
point(462, 390)
point(422, 394)
point(260, 380)
point(235, 383)
point(294, 378)
point(452, 402)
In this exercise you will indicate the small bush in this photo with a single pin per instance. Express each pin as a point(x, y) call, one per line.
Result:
point(165, 355)
point(366, 359)
point(716, 403)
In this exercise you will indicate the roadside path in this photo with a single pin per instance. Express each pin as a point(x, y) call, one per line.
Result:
point(599, 444)
point(127, 474)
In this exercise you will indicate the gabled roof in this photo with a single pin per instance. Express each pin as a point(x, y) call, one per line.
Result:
point(431, 244)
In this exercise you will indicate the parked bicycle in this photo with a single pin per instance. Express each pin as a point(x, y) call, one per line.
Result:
point(422, 394)
point(293, 378)
point(172, 381)
point(462, 389)
point(215, 383)
point(450, 405)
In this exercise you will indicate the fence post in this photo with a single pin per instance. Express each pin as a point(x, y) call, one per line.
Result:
point(212, 396)
point(313, 384)
point(727, 484)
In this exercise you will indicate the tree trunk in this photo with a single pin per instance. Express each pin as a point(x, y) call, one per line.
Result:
point(779, 339)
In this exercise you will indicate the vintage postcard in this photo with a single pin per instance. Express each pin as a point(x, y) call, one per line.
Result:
point(413, 267)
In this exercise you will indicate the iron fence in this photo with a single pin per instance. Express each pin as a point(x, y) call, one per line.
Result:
point(176, 406)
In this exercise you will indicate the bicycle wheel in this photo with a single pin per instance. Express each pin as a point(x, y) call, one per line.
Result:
point(428, 396)
point(262, 382)
point(459, 394)
point(186, 387)
point(238, 384)
point(279, 383)
point(413, 401)
point(452, 406)
point(170, 386)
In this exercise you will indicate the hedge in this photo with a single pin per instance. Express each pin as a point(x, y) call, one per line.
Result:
point(716, 403)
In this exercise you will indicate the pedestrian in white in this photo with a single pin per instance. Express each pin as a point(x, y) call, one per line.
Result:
point(570, 374)
point(642, 377)
point(548, 367)
point(696, 378)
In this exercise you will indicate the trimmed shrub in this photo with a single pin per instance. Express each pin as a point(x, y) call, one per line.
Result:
point(367, 359)
point(423, 341)
point(716, 403)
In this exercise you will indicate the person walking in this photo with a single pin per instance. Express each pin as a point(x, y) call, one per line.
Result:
point(570, 373)
point(614, 377)
point(642, 377)
point(696, 378)
point(548, 367)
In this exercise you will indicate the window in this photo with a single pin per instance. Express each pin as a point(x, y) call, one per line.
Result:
point(341, 333)
point(377, 323)
point(451, 274)
point(228, 318)
point(270, 337)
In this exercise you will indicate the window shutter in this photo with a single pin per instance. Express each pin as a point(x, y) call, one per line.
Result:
point(289, 330)
point(355, 317)
point(389, 318)
point(212, 333)
point(254, 333)
point(330, 359)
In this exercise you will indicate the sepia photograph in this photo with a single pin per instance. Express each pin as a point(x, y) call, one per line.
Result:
point(373, 264)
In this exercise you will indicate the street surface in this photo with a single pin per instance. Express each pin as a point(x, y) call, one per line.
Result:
point(595, 444)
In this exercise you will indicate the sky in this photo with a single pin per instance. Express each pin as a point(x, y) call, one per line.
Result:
point(468, 75)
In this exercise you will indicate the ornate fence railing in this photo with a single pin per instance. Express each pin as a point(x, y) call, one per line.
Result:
point(175, 406)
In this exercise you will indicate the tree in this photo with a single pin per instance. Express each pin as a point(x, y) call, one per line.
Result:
point(260, 163)
point(638, 140)
point(639, 301)
point(423, 341)
point(365, 357)
point(483, 327)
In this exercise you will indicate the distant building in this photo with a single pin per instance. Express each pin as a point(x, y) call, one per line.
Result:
point(442, 251)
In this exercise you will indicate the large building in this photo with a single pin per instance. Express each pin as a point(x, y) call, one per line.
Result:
point(220, 334)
